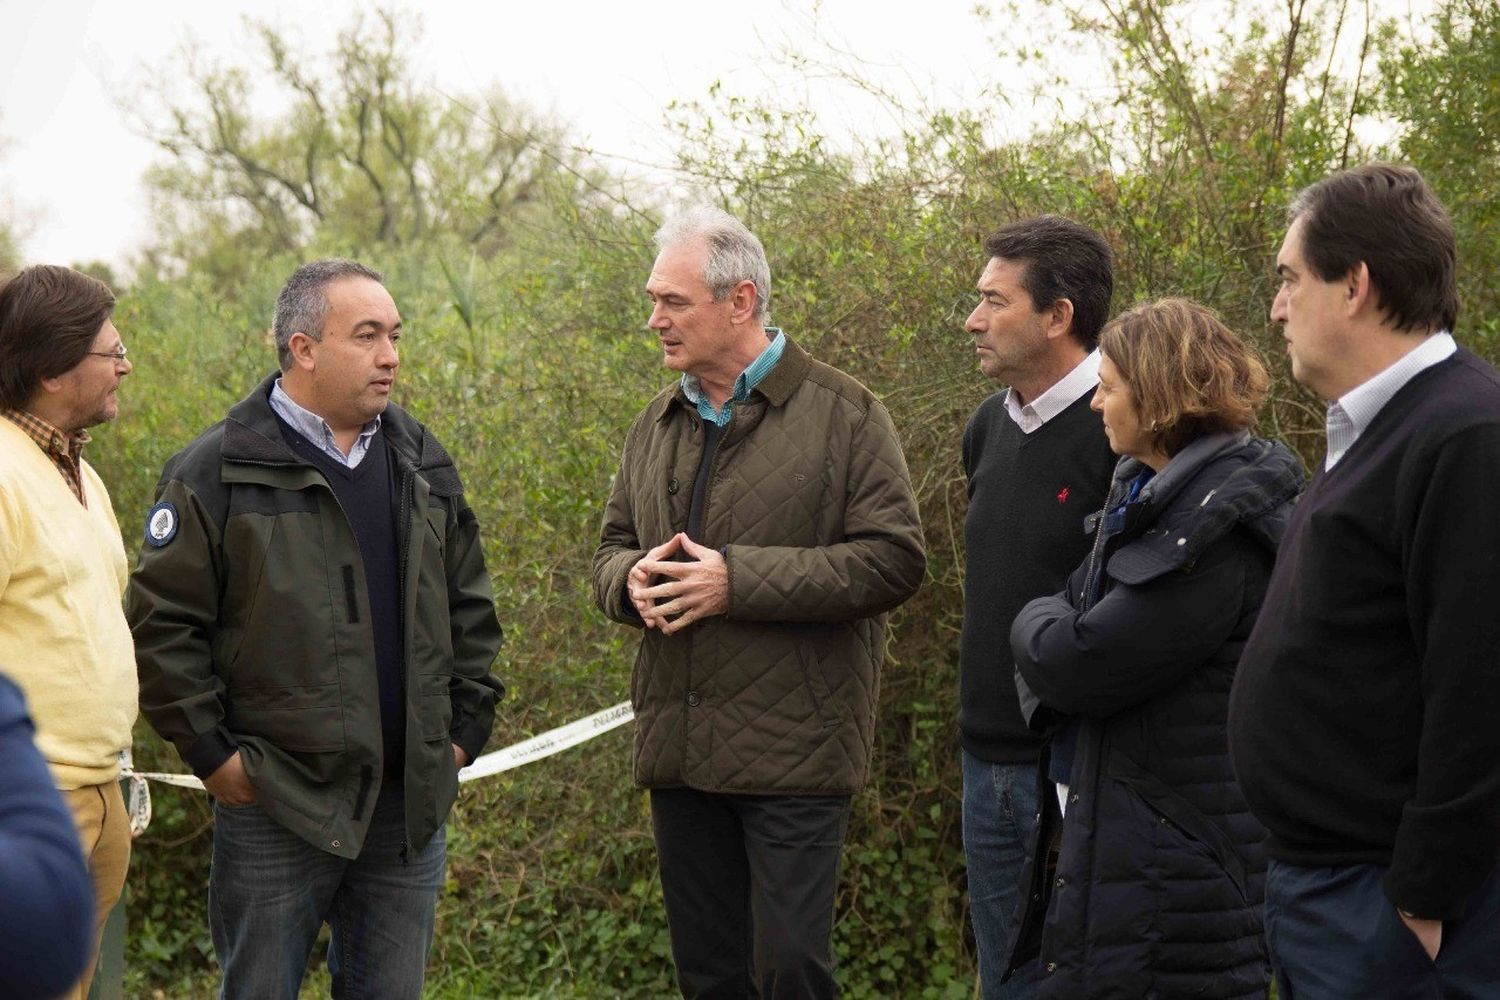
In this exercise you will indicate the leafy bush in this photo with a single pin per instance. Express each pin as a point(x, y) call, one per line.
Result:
point(528, 356)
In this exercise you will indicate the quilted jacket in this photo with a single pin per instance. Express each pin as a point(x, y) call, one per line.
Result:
point(810, 502)
point(1159, 871)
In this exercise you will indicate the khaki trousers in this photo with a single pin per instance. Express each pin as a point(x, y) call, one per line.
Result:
point(104, 830)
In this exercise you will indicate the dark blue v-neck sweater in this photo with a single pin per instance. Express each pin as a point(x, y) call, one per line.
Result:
point(1365, 718)
point(1024, 533)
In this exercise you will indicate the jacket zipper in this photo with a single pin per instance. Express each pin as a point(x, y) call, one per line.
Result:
point(403, 544)
point(1089, 585)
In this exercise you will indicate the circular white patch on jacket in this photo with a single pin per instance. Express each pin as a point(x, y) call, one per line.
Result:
point(161, 524)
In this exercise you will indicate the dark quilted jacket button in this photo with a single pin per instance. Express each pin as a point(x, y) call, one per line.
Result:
point(693, 699)
point(672, 486)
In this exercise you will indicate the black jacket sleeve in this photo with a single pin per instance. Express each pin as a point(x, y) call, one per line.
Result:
point(1449, 836)
point(1136, 642)
point(172, 605)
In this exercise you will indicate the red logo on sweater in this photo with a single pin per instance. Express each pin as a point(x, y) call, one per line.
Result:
point(1062, 495)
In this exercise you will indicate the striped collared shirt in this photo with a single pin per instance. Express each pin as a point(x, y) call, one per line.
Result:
point(1351, 413)
point(748, 379)
point(316, 429)
point(65, 450)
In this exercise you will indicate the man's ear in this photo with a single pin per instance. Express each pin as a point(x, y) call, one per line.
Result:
point(742, 302)
point(301, 347)
point(1358, 291)
point(50, 385)
point(1058, 319)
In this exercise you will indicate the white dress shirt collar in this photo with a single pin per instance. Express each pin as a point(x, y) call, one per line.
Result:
point(1031, 416)
point(1351, 413)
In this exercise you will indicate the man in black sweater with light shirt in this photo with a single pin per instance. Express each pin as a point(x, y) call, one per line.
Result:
point(1363, 721)
point(1037, 464)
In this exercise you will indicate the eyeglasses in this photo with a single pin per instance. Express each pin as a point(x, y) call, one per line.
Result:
point(115, 356)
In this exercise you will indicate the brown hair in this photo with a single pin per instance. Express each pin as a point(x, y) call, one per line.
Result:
point(1189, 374)
point(49, 318)
point(1386, 216)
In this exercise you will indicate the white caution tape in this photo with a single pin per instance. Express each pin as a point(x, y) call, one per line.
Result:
point(180, 780)
point(548, 743)
point(138, 799)
point(538, 747)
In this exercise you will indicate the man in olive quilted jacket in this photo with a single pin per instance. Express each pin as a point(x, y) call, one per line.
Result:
point(761, 526)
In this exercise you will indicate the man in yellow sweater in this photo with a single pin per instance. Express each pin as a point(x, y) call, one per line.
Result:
point(63, 636)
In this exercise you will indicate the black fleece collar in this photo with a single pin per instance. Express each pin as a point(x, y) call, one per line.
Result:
point(252, 434)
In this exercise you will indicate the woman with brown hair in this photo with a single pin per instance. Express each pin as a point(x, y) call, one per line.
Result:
point(1146, 876)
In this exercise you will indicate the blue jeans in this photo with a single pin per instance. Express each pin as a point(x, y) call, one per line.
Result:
point(1000, 808)
point(1334, 934)
point(269, 892)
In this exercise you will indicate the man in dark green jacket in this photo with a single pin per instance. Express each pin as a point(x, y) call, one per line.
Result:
point(314, 632)
point(761, 526)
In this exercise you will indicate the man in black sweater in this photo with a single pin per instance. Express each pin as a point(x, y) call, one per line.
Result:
point(1363, 718)
point(1037, 464)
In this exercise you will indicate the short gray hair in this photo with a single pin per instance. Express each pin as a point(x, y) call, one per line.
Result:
point(303, 305)
point(734, 253)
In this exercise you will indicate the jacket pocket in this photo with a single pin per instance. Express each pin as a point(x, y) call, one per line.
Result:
point(431, 626)
point(300, 719)
point(436, 707)
point(1176, 812)
point(438, 784)
point(247, 540)
point(437, 526)
point(823, 701)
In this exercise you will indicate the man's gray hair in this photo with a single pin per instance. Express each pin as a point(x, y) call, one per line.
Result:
point(303, 305)
point(734, 253)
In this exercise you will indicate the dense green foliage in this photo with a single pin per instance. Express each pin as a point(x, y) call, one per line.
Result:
point(526, 352)
point(1448, 97)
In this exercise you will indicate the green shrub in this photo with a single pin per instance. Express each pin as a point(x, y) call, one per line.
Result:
point(529, 357)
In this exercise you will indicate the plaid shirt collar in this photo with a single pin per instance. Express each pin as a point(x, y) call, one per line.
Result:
point(65, 450)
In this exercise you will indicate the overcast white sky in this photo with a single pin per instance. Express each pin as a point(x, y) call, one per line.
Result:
point(70, 168)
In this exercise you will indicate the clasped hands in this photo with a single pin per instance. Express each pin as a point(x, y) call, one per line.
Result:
point(688, 590)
